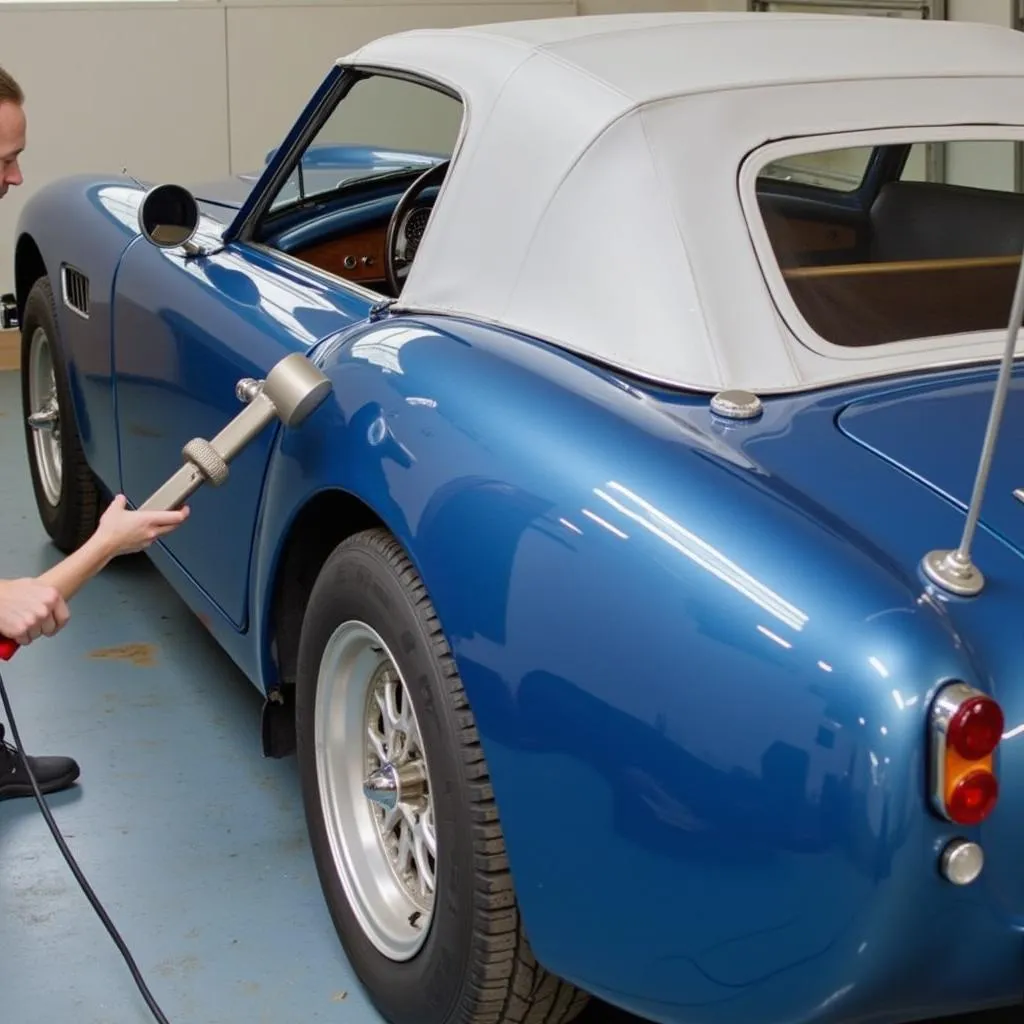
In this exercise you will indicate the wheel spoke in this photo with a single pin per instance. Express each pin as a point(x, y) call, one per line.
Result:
point(425, 852)
point(404, 854)
point(378, 743)
point(391, 695)
point(390, 820)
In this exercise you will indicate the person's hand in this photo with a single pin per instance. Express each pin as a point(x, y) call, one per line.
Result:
point(30, 609)
point(123, 531)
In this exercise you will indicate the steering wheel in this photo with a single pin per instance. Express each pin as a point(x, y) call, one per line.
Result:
point(406, 227)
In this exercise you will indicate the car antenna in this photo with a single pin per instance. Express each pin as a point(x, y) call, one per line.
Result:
point(953, 570)
point(124, 170)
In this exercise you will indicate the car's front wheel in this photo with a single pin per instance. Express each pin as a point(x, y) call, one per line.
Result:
point(66, 492)
point(402, 820)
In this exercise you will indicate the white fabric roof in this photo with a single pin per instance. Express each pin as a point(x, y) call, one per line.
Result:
point(595, 201)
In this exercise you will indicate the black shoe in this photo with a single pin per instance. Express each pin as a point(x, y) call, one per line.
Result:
point(52, 773)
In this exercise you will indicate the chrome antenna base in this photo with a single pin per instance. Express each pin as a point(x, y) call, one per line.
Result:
point(953, 572)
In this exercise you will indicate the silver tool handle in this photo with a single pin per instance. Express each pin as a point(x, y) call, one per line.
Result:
point(298, 386)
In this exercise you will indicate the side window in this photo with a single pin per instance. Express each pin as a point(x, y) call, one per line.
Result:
point(381, 125)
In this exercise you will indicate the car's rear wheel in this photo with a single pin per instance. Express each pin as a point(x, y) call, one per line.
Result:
point(65, 489)
point(402, 820)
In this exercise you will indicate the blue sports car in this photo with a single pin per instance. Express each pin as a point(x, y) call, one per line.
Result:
point(643, 601)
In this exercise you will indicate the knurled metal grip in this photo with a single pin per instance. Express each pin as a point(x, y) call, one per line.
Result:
point(202, 454)
point(293, 389)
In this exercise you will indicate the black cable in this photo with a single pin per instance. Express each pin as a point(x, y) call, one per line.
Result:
point(86, 888)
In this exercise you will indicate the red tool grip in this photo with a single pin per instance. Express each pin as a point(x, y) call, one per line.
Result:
point(7, 648)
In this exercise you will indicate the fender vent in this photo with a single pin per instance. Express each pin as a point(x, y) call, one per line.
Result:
point(75, 288)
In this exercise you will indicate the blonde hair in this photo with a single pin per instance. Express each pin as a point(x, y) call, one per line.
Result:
point(10, 91)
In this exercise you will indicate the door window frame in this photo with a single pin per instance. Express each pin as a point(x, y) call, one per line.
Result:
point(253, 214)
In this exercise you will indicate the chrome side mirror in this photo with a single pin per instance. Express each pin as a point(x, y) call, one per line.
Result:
point(168, 216)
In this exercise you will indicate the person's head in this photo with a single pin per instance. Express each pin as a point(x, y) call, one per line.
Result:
point(12, 131)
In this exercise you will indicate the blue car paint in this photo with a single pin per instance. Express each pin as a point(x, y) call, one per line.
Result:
point(329, 156)
point(180, 350)
point(753, 795)
point(700, 655)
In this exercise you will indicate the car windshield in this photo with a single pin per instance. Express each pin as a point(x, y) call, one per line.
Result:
point(382, 127)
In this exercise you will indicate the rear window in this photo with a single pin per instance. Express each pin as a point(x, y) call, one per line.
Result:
point(933, 250)
point(838, 170)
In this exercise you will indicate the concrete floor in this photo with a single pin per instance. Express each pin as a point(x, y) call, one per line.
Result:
point(195, 844)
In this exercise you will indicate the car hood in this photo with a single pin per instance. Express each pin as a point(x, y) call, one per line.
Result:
point(934, 433)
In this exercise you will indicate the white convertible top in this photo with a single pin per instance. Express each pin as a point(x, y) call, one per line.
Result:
point(596, 197)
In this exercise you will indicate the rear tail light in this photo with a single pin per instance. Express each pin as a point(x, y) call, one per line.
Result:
point(966, 727)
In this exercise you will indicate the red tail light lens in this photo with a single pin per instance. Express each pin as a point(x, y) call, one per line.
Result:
point(966, 727)
point(976, 728)
point(973, 798)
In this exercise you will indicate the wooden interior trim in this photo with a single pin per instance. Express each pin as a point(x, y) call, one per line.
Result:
point(901, 266)
point(358, 257)
point(803, 235)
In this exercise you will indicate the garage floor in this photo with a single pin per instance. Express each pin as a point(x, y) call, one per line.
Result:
point(194, 843)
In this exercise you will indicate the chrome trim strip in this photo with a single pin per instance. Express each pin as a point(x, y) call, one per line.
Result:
point(944, 707)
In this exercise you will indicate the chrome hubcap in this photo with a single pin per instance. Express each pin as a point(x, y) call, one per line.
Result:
point(44, 417)
point(375, 791)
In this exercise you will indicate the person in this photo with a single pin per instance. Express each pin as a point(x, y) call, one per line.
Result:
point(32, 608)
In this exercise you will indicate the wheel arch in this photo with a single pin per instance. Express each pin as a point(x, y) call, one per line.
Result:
point(317, 526)
point(29, 266)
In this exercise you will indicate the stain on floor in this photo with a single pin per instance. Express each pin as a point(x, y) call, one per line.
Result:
point(142, 655)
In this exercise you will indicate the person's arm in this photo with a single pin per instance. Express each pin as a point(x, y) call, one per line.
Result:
point(119, 532)
point(68, 576)
point(31, 608)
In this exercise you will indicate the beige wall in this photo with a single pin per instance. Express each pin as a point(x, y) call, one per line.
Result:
point(618, 6)
point(193, 89)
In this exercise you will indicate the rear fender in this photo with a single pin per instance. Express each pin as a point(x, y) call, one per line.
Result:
point(86, 223)
point(695, 762)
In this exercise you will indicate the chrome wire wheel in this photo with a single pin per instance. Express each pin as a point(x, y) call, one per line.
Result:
point(44, 415)
point(375, 792)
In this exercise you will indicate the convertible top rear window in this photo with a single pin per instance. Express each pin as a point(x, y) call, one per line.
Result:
point(910, 258)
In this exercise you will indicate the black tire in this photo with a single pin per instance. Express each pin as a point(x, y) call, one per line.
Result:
point(476, 964)
point(71, 519)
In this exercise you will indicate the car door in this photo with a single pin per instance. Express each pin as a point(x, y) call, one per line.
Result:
point(186, 331)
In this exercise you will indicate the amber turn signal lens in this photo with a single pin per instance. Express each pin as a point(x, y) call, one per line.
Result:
point(973, 797)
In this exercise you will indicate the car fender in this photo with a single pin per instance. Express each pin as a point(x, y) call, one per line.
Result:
point(85, 222)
